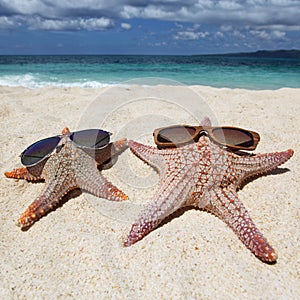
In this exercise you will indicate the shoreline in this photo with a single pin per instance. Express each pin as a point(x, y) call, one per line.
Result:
point(152, 82)
point(95, 85)
point(76, 250)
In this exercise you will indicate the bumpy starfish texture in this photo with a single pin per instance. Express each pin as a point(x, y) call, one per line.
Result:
point(206, 176)
point(69, 168)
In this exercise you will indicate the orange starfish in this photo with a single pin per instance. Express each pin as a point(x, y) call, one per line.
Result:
point(206, 176)
point(69, 168)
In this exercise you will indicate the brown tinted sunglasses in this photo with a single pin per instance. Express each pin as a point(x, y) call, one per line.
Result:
point(233, 138)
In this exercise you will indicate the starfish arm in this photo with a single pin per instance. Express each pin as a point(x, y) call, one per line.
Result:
point(30, 174)
point(205, 121)
point(90, 179)
point(99, 186)
point(149, 155)
point(49, 198)
point(169, 198)
point(261, 163)
point(225, 204)
point(118, 147)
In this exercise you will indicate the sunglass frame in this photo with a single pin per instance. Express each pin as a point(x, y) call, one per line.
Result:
point(60, 136)
point(207, 130)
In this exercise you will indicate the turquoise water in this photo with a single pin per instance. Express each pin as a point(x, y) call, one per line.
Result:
point(97, 71)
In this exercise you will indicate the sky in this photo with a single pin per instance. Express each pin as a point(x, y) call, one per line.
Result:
point(147, 26)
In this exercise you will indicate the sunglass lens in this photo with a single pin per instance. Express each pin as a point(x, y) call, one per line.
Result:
point(37, 151)
point(176, 135)
point(91, 138)
point(233, 137)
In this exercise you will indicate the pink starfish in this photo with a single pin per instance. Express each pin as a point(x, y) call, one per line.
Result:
point(206, 176)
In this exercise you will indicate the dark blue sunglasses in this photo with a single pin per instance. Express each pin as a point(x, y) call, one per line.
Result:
point(84, 139)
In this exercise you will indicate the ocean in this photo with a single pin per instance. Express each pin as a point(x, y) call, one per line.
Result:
point(90, 71)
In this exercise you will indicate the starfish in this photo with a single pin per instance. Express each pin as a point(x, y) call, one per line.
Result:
point(67, 169)
point(207, 176)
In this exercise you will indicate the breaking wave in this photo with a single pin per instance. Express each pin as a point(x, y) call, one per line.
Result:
point(34, 81)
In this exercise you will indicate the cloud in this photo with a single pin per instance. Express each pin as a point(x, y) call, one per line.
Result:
point(9, 23)
point(126, 26)
point(278, 34)
point(268, 35)
point(102, 14)
point(190, 35)
point(236, 33)
point(219, 34)
point(91, 24)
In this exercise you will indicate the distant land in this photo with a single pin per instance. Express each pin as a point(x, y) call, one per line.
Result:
point(268, 53)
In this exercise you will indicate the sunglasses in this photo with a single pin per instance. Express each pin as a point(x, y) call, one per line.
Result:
point(233, 138)
point(83, 139)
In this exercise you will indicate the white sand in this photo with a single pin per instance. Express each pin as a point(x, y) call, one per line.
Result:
point(76, 251)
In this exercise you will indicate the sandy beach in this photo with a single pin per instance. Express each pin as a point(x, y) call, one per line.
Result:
point(76, 251)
